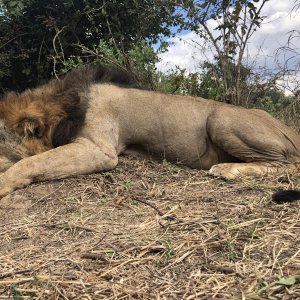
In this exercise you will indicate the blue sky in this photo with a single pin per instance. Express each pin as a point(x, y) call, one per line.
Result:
point(274, 32)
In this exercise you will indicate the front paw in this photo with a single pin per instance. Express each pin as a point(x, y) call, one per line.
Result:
point(10, 183)
point(5, 189)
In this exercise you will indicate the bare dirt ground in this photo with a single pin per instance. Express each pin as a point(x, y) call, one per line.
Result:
point(150, 230)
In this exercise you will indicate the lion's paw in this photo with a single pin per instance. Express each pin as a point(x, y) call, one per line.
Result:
point(226, 170)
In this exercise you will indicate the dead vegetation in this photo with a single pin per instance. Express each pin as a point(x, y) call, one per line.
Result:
point(150, 231)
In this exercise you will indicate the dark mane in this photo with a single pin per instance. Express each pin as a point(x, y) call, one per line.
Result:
point(71, 92)
point(54, 113)
point(89, 74)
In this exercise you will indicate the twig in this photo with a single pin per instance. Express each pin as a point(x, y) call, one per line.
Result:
point(9, 274)
point(160, 213)
point(94, 256)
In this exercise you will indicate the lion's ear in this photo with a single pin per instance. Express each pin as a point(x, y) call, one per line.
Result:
point(31, 126)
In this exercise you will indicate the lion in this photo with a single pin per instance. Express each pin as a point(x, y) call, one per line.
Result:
point(81, 123)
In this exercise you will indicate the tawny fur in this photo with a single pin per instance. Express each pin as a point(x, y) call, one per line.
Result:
point(33, 116)
point(93, 115)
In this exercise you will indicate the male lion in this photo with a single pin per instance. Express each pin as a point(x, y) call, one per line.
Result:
point(80, 124)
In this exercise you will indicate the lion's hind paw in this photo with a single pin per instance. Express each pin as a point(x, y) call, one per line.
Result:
point(225, 170)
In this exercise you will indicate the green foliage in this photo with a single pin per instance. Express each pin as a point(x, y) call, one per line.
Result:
point(16, 295)
point(212, 85)
point(70, 63)
point(278, 284)
point(140, 60)
point(169, 82)
point(236, 21)
point(270, 104)
point(144, 59)
point(264, 93)
point(40, 38)
point(208, 83)
point(167, 253)
point(180, 82)
point(14, 8)
point(291, 112)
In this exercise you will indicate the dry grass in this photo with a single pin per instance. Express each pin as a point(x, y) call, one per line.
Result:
point(150, 231)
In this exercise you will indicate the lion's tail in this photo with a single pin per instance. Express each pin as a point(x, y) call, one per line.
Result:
point(286, 196)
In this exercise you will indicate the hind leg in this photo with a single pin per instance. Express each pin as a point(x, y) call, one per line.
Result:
point(236, 170)
point(262, 144)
